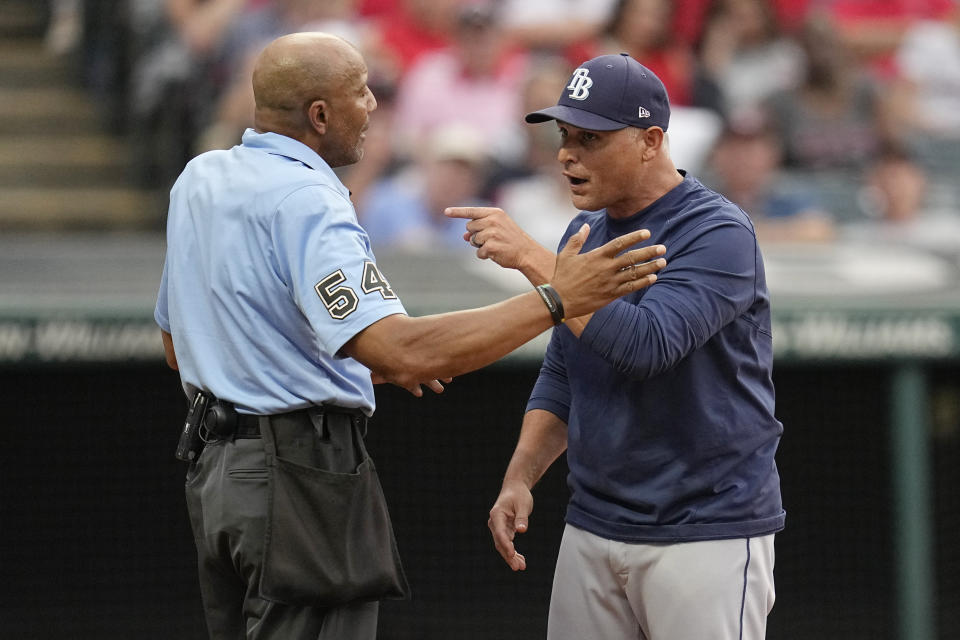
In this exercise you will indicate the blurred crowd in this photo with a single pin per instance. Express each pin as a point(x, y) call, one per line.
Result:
point(823, 119)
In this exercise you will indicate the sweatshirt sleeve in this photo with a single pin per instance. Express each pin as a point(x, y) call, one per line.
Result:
point(552, 389)
point(709, 281)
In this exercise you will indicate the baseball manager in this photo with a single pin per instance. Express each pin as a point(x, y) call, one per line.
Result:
point(663, 400)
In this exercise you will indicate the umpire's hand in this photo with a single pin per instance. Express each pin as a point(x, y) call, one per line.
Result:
point(589, 280)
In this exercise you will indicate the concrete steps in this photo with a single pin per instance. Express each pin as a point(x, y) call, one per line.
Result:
point(69, 160)
point(22, 18)
point(75, 208)
point(26, 64)
point(53, 108)
point(60, 168)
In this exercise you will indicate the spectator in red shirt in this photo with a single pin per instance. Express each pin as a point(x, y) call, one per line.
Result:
point(416, 27)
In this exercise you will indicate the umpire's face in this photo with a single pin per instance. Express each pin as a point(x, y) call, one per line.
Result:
point(603, 168)
point(348, 116)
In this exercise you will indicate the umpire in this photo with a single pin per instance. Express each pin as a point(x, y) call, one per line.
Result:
point(279, 321)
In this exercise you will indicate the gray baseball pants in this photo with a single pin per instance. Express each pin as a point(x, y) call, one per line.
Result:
point(608, 590)
point(227, 501)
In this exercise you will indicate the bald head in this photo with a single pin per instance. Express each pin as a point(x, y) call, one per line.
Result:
point(296, 70)
point(312, 87)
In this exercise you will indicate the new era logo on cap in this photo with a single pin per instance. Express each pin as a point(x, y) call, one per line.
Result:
point(610, 92)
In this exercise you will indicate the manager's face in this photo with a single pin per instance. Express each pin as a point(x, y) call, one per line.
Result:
point(602, 168)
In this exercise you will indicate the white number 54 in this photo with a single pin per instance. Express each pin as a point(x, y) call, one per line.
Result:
point(341, 300)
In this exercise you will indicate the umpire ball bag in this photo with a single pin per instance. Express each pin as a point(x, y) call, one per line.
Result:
point(329, 539)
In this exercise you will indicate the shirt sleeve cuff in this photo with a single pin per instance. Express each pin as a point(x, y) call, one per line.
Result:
point(162, 321)
point(596, 335)
point(558, 409)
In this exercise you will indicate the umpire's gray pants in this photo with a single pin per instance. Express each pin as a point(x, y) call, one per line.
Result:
point(709, 590)
point(227, 501)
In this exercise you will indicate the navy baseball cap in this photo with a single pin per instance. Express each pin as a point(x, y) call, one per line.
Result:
point(608, 93)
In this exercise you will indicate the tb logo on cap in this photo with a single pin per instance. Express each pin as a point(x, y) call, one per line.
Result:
point(580, 84)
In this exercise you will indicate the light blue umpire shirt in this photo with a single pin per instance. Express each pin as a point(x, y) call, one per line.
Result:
point(267, 275)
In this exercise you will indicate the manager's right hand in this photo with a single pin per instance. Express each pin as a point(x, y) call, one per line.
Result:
point(509, 516)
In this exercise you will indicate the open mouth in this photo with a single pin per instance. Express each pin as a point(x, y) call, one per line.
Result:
point(576, 181)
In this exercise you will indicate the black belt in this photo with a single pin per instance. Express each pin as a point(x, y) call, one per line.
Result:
point(248, 426)
point(223, 421)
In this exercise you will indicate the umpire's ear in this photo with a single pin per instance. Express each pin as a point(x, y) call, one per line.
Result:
point(317, 116)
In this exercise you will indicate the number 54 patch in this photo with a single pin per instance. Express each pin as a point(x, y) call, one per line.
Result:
point(341, 300)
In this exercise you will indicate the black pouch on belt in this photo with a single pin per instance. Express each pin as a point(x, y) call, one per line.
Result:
point(329, 539)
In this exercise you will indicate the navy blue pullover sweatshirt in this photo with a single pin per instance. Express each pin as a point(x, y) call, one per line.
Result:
point(667, 395)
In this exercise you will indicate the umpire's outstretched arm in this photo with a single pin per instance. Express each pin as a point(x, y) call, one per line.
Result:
point(410, 351)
